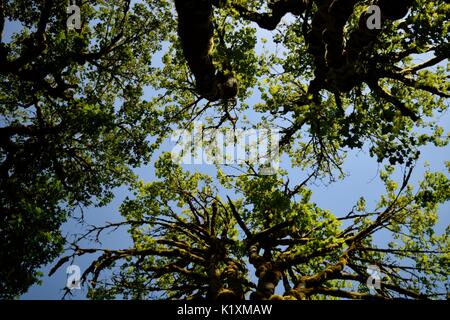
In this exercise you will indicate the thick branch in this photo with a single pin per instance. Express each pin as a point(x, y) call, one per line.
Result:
point(404, 110)
point(239, 220)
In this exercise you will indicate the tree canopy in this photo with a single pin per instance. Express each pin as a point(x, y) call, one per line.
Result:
point(82, 108)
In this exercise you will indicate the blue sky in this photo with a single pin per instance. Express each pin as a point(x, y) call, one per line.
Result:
point(339, 197)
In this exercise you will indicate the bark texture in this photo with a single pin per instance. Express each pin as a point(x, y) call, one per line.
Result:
point(196, 32)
